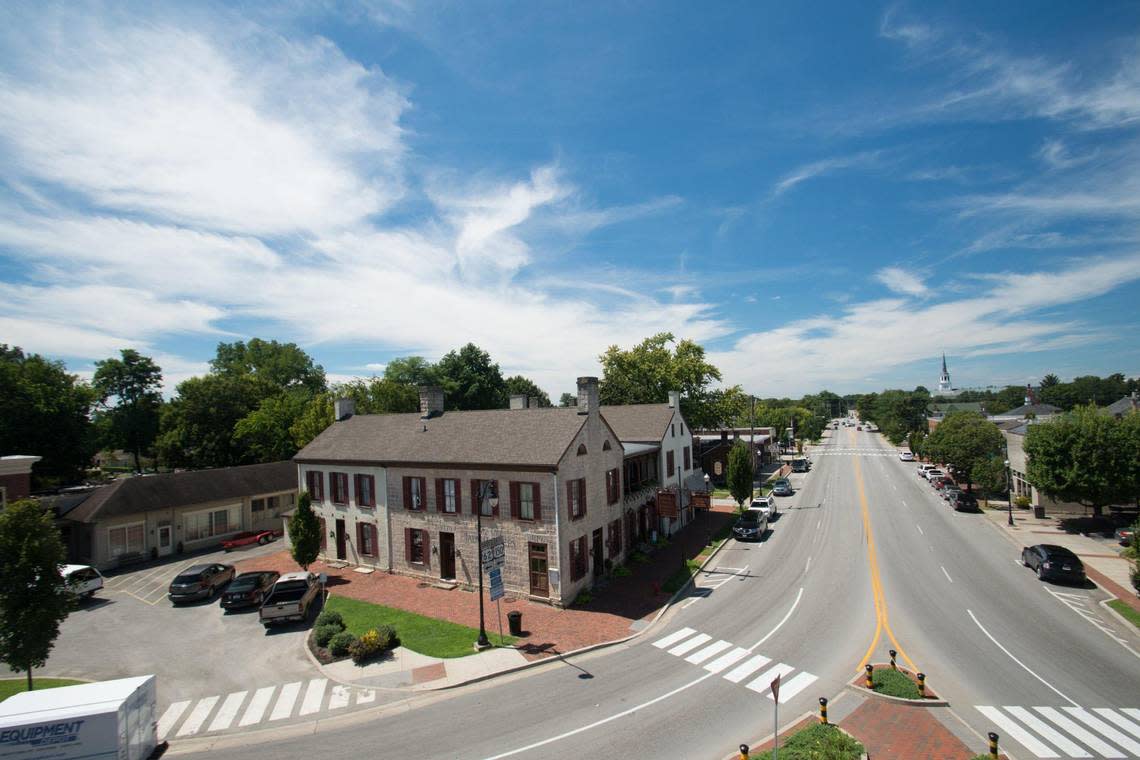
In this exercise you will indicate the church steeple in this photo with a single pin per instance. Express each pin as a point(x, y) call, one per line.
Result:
point(944, 386)
point(944, 372)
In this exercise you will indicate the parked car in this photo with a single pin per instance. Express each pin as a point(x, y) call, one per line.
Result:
point(82, 580)
point(906, 456)
point(249, 538)
point(963, 502)
point(290, 599)
point(752, 525)
point(782, 487)
point(948, 492)
point(766, 503)
point(249, 589)
point(933, 474)
point(1124, 535)
point(923, 468)
point(200, 582)
point(1053, 563)
point(800, 465)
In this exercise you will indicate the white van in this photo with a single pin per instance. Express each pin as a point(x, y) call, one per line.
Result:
point(82, 580)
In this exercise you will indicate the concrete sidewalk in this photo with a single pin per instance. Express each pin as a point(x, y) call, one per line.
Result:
point(406, 669)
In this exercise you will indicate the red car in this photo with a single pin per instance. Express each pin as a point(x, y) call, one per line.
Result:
point(248, 538)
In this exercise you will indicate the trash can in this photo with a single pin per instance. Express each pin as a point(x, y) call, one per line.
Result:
point(514, 620)
point(1039, 512)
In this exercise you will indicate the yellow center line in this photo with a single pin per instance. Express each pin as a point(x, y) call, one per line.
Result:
point(882, 621)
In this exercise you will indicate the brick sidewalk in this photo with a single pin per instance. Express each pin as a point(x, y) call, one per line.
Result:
point(887, 729)
point(549, 630)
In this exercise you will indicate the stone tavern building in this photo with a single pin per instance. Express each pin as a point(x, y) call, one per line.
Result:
point(400, 492)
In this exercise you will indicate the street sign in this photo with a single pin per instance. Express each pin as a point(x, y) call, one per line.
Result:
point(776, 688)
point(496, 584)
point(494, 553)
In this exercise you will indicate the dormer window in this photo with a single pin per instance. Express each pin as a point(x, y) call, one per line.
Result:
point(581, 449)
point(606, 446)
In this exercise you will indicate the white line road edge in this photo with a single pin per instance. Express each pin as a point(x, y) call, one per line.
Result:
point(946, 574)
point(1019, 662)
point(643, 705)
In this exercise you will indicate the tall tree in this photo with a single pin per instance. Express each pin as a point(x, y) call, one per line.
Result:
point(1085, 457)
point(567, 400)
point(991, 474)
point(646, 373)
point(741, 472)
point(1049, 381)
point(304, 533)
point(33, 595)
point(471, 380)
point(197, 426)
point(965, 440)
point(376, 396)
point(44, 411)
point(278, 365)
point(265, 433)
point(412, 370)
point(133, 383)
point(519, 385)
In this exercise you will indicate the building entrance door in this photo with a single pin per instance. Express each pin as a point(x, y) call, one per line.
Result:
point(341, 538)
point(165, 540)
point(447, 556)
point(539, 580)
point(599, 555)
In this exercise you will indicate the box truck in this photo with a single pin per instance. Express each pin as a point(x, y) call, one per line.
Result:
point(114, 720)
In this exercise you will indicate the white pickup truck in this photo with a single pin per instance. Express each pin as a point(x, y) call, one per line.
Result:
point(290, 598)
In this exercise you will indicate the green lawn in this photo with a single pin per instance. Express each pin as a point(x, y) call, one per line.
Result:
point(435, 638)
point(1129, 614)
point(895, 684)
point(816, 742)
point(10, 686)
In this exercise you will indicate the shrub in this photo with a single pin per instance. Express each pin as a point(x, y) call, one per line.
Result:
point(639, 558)
point(330, 617)
point(388, 637)
point(1135, 574)
point(341, 643)
point(584, 597)
point(323, 633)
point(621, 571)
point(1021, 501)
point(370, 644)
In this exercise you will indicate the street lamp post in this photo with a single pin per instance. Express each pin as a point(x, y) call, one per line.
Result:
point(1009, 490)
point(488, 494)
point(707, 489)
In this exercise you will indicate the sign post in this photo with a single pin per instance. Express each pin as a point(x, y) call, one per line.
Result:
point(776, 696)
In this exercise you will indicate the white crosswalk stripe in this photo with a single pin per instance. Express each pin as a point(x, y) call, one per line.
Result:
point(285, 701)
point(721, 655)
point(314, 695)
point(228, 711)
point(170, 717)
point(197, 716)
point(1069, 731)
point(257, 705)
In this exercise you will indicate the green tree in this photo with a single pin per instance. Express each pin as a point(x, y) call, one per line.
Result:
point(44, 411)
point(197, 426)
point(375, 396)
point(265, 434)
point(471, 380)
point(1049, 381)
point(519, 385)
point(965, 440)
point(740, 472)
point(916, 442)
point(278, 365)
point(304, 533)
point(1085, 457)
point(567, 400)
point(646, 373)
point(33, 595)
point(133, 382)
point(412, 370)
point(991, 475)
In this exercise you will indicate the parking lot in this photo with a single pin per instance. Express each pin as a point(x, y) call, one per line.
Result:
point(130, 628)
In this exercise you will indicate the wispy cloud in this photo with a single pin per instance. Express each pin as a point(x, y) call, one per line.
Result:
point(901, 281)
point(821, 168)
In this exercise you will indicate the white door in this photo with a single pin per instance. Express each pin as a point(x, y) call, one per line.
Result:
point(165, 540)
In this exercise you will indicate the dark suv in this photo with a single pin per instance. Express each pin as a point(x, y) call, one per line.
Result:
point(1053, 563)
point(200, 582)
point(963, 502)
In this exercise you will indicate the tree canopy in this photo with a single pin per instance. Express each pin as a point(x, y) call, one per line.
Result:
point(471, 380)
point(967, 441)
point(741, 472)
point(45, 411)
point(129, 390)
point(519, 385)
point(413, 371)
point(304, 533)
point(279, 365)
point(646, 373)
point(1086, 457)
point(375, 396)
point(33, 596)
point(897, 413)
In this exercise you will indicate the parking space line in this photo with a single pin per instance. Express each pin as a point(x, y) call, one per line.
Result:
point(257, 705)
point(228, 711)
point(314, 695)
point(170, 717)
point(198, 716)
point(285, 701)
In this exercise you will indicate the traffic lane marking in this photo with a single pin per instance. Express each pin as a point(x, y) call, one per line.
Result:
point(1019, 662)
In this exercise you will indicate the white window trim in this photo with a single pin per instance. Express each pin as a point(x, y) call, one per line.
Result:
point(125, 527)
point(232, 527)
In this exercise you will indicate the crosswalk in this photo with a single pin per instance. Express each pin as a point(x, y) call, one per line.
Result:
point(1055, 732)
point(742, 665)
point(269, 703)
point(834, 452)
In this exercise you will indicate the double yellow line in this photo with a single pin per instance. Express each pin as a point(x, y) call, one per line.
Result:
point(882, 622)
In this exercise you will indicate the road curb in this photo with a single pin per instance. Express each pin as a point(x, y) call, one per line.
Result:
point(854, 686)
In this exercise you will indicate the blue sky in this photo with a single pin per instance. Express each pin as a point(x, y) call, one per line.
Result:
point(825, 196)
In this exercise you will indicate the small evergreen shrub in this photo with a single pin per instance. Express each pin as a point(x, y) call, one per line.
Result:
point(323, 633)
point(340, 644)
point(330, 617)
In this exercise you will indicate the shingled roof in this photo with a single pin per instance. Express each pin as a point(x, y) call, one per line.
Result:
point(130, 496)
point(639, 422)
point(522, 437)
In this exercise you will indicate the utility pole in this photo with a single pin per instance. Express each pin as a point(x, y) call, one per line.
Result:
point(752, 434)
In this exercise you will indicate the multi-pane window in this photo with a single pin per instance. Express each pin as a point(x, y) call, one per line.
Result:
point(615, 538)
point(214, 522)
point(414, 493)
point(367, 540)
point(687, 458)
point(480, 499)
point(365, 491)
point(315, 481)
point(417, 546)
point(526, 501)
point(578, 558)
point(339, 484)
point(449, 496)
point(126, 539)
point(576, 498)
point(669, 464)
point(257, 505)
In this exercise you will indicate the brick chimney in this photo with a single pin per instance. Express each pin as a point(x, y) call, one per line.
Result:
point(343, 408)
point(587, 395)
point(519, 401)
point(674, 399)
point(431, 401)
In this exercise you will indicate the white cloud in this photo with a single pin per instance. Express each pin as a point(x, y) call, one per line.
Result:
point(822, 168)
point(901, 281)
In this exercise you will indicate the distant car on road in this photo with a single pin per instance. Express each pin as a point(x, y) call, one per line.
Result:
point(766, 503)
point(800, 465)
point(782, 487)
point(249, 589)
point(906, 456)
point(200, 582)
point(963, 502)
point(248, 538)
point(752, 525)
point(1053, 563)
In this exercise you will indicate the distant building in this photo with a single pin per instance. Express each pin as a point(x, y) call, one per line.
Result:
point(1030, 410)
point(1124, 406)
point(944, 386)
point(15, 477)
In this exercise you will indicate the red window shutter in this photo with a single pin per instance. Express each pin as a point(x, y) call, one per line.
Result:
point(375, 540)
point(372, 490)
point(407, 492)
point(669, 464)
point(617, 484)
point(514, 500)
point(407, 544)
point(360, 538)
point(324, 535)
point(570, 499)
point(458, 496)
point(582, 494)
point(439, 494)
point(475, 496)
point(537, 502)
point(427, 548)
